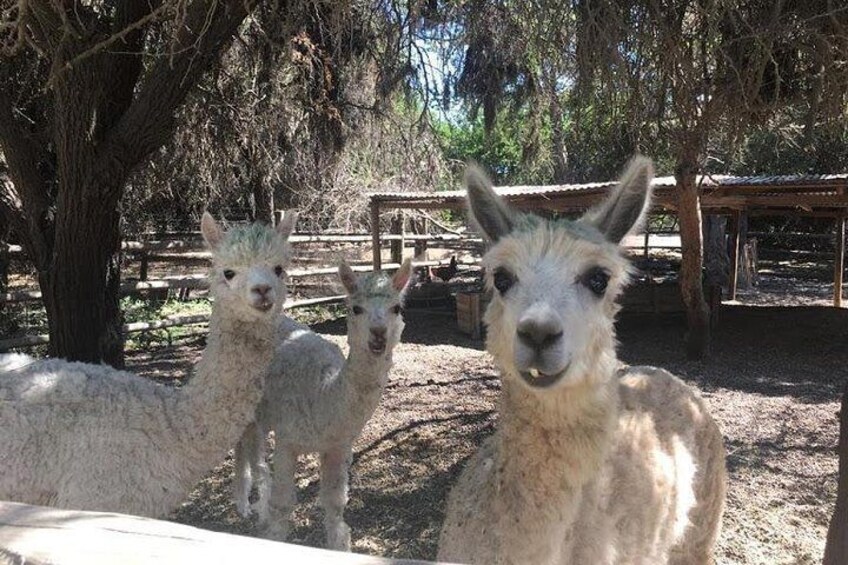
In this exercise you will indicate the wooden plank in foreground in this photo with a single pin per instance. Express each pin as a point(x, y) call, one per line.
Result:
point(41, 535)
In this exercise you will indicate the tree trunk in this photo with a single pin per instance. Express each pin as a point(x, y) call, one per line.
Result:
point(82, 288)
point(263, 201)
point(558, 148)
point(836, 548)
point(4, 256)
point(691, 282)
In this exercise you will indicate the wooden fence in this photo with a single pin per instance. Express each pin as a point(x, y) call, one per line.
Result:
point(37, 534)
point(190, 246)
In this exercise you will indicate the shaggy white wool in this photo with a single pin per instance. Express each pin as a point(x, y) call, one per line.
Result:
point(318, 401)
point(591, 463)
point(90, 437)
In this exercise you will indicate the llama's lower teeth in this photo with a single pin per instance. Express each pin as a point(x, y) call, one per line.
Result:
point(535, 373)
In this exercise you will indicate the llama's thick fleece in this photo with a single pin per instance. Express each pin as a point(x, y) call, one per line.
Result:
point(590, 463)
point(89, 437)
point(577, 506)
point(312, 401)
point(317, 399)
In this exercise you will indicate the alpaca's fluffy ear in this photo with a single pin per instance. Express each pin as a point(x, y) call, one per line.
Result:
point(402, 276)
point(488, 210)
point(212, 232)
point(625, 209)
point(286, 225)
point(348, 277)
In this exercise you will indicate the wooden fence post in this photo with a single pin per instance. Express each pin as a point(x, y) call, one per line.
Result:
point(376, 260)
point(836, 547)
point(839, 262)
point(397, 244)
point(733, 277)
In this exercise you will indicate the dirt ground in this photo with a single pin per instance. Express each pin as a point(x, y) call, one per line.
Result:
point(773, 384)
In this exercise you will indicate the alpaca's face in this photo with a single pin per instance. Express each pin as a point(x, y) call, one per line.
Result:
point(554, 283)
point(553, 302)
point(249, 267)
point(375, 309)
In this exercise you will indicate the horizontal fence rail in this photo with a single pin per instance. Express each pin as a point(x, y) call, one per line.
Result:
point(191, 246)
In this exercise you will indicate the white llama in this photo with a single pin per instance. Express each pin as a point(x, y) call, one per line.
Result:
point(90, 437)
point(317, 401)
point(591, 462)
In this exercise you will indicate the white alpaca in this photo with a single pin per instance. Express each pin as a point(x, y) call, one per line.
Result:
point(317, 401)
point(90, 437)
point(591, 462)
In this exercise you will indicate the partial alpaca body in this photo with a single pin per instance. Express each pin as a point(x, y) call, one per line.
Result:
point(90, 437)
point(591, 462)
point(317, 401)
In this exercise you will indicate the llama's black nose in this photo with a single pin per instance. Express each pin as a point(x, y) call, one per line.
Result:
point(379, 332)
point(262, 289)
point(539, 334)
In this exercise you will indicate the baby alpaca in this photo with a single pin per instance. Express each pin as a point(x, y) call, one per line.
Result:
point(90, 437)
point(591, 462)
point(317, 401)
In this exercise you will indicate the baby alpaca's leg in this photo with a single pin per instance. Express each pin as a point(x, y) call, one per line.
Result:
point(335, 464)
point(247, 453)
point(275, 509)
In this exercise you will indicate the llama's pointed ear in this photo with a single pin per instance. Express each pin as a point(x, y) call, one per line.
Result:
point(626, 207)
point(348, 277)
point(212, 232)
point(402, 276)
point(286, 225)
point(488, 210)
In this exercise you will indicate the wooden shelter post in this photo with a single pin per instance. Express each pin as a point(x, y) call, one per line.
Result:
point(736, 220)
point(839, 262)
point(397, 245)
point(376, 260)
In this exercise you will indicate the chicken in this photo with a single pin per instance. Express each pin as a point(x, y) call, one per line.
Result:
point(445, 272)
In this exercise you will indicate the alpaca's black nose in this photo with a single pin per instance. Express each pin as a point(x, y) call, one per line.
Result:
point(262, 289)
point(379, 332)
point(539, 334)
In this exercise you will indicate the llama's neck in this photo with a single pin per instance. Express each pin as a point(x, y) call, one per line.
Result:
point(365, 371)
point(549, 445)
point(220, 399)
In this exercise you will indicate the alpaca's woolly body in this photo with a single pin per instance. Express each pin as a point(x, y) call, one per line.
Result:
point(315, 400)
point(600, 465)
point(90, 437)
point(633, 475)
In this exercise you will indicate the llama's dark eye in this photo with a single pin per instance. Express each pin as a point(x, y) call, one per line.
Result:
point(278, 270)
point(357, 310)
point(396, 309)
point(503, 280)
point(229, 274)
point(596, 280)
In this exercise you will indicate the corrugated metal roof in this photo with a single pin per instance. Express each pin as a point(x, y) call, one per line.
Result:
point(816, 184)
point(522, 190)
point(782, 180)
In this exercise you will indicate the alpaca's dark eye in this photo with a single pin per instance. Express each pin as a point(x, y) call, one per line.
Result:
point(278, 270)
point(357, 310)
point(503, 280)
point(229, 274)
point(396, 309)
point(596, 280)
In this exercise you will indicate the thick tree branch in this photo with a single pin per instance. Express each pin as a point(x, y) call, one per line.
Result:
point(125, 62)
point(45, 24)
point(27, 202)
point(148, 122)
